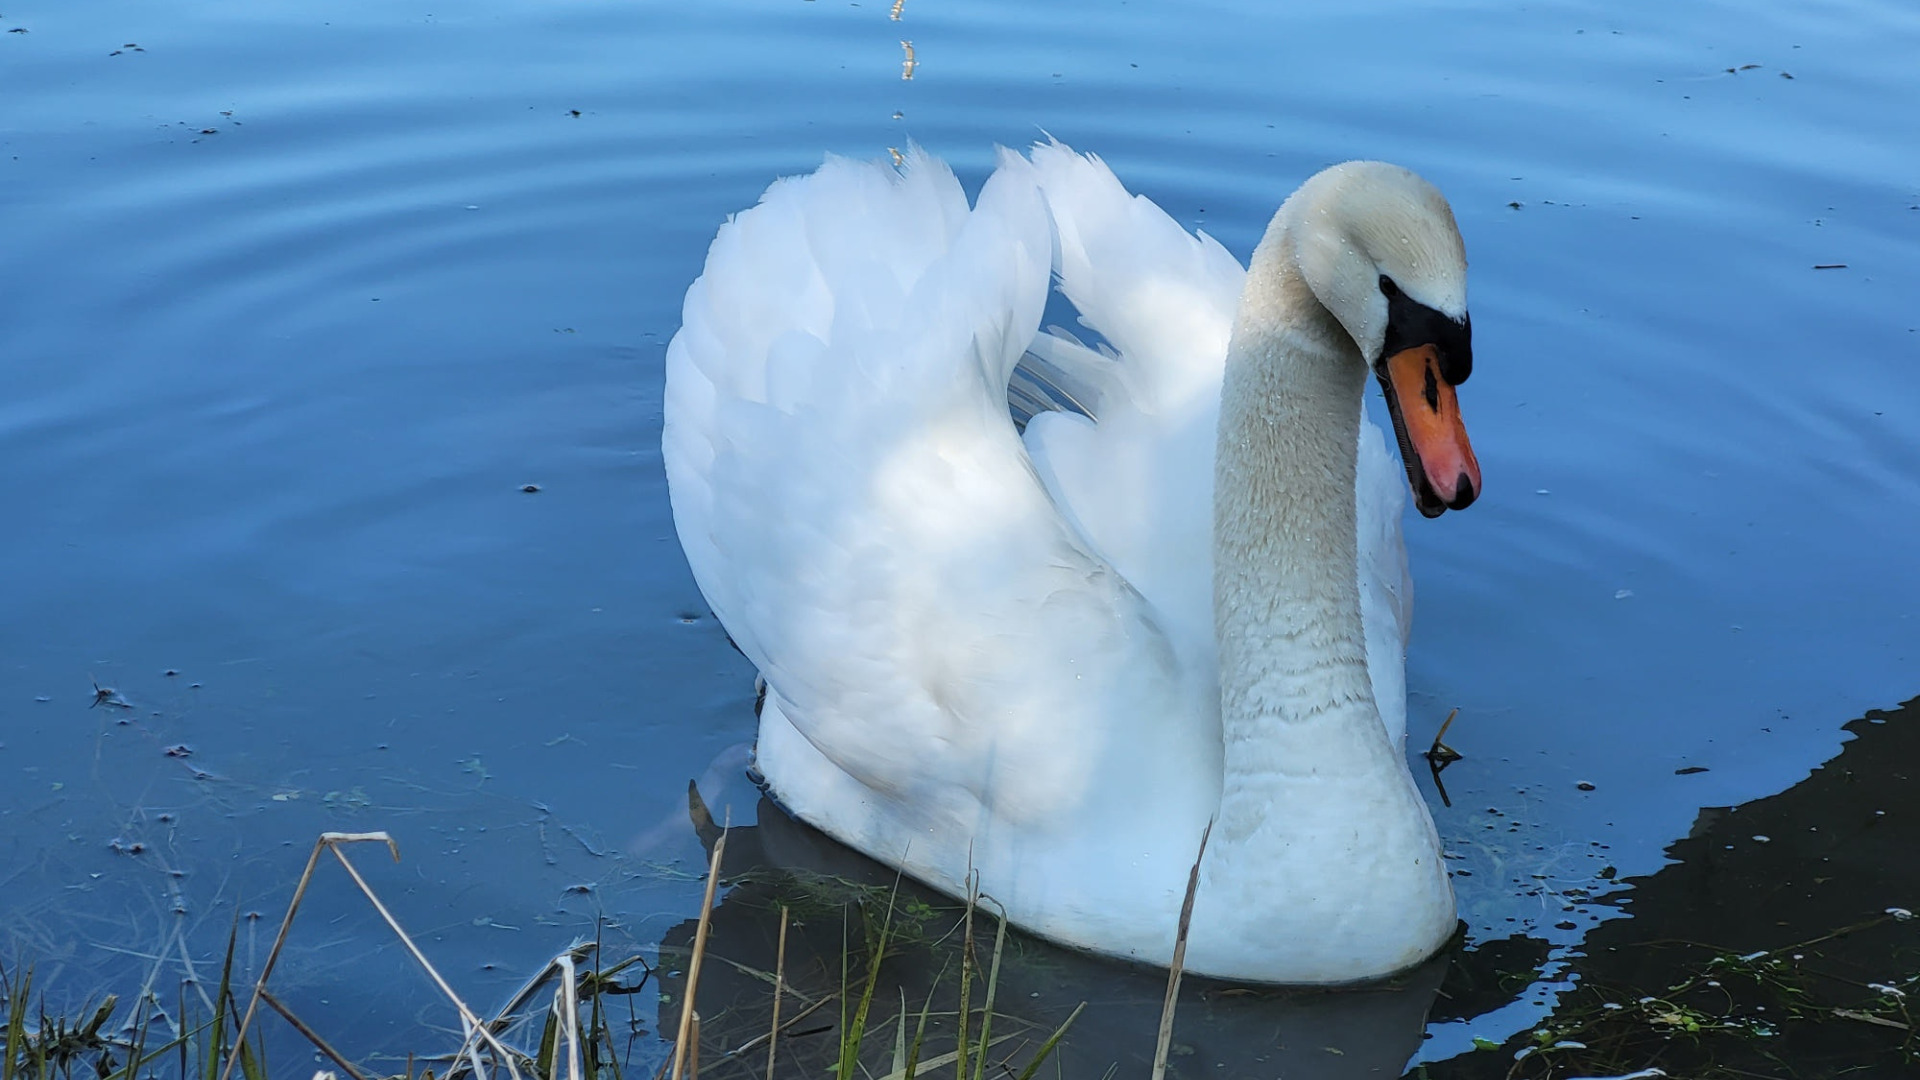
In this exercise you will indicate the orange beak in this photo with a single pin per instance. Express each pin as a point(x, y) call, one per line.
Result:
point(1441, 468)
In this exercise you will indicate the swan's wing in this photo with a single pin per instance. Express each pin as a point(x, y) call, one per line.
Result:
point(859, 510)
point(1138, 480)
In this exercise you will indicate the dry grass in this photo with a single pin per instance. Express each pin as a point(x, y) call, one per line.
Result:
point(554, 1026)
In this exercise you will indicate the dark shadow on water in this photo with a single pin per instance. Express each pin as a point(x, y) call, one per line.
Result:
point(837, 898)
point(1778, 944)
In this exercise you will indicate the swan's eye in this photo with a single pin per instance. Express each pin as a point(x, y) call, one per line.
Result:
point(1388, 288)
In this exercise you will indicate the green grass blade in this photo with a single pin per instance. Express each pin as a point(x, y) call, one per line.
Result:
point(843, 996)
point(546, 1062)
point(1053, 1040)
point(986, 1008)
point(217, 1047)
point(920, 1029)
point(250, 1065)
point(16, 1025)
point(900, 1036)
point(854, 1035)
point(90, 1031)
point(136, 1039)
point(966, 985)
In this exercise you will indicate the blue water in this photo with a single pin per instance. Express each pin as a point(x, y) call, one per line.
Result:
point(296, 298)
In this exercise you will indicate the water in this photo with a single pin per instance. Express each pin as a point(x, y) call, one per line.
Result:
point(297, 299)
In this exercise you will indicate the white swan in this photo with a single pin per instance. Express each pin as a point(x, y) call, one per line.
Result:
point(1053, 659)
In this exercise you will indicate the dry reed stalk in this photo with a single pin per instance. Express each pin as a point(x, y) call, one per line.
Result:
point(759, 1040)
point(334, 842)
point(1165, 1041)
point(566, 1000)
point(575, 954)
point(779, 983)
point(688, 1024)
point(1440, 752)
point(286, 924)
point(312, 1035)
point(467, 1016)
point(693, 1051)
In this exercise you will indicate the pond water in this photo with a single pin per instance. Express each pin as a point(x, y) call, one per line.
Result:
point(298, 300)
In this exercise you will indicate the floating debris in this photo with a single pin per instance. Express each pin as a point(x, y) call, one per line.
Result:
point(107, 695)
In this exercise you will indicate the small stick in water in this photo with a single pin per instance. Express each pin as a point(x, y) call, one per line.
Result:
point(1179, 961)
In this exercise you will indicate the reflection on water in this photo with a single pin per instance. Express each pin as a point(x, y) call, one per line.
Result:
point(1781, 941)
point(838, 898)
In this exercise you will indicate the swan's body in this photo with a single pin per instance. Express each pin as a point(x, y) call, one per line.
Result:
point(1052, 659)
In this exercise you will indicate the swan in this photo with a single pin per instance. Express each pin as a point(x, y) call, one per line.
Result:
point(1046, 659)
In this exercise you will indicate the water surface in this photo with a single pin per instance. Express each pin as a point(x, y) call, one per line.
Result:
point(298, 299)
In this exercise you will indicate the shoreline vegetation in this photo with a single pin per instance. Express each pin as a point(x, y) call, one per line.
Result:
point(563, 1022)
point(1780, 942)
point(1725, 1017)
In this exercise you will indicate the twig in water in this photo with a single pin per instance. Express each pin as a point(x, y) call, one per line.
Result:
point(779, 983)
point(467, 1016)
point(693, 1051)
point(568, 1004)
point(1440, 753)
point(107, 695)
point(754, 1043)
point(286, 924)
point(1439, 756)
point(1179, 961)
point(312, 1035)
point(1869, 1018)
point(689, 1023)
point(334, 842)
point(503, 1019)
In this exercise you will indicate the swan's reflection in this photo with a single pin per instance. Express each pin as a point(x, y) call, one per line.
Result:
point(837, 897)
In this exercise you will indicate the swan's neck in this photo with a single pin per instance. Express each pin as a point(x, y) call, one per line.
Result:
point(1296, 702)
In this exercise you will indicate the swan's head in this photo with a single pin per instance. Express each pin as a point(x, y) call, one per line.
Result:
point(1379, 248)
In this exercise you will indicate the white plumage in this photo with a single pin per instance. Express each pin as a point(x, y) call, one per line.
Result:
point(994, 652)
